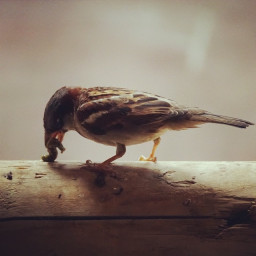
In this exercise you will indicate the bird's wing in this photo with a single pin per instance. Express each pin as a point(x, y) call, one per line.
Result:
point(113, 108)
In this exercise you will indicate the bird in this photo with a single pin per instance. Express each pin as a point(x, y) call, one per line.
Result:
point(119, 117)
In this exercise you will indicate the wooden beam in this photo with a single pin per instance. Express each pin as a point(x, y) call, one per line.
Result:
point(133, 208)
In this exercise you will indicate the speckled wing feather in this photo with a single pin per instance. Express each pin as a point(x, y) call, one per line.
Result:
point(102, 109)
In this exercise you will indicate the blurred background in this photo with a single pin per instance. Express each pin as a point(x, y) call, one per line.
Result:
point(199, 53)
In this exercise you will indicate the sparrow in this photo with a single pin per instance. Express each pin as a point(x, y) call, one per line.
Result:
point(119, 117)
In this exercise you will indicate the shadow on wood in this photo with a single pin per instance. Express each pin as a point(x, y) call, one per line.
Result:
point(168, 208)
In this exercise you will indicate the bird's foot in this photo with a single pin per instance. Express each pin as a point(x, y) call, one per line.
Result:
point(106, 169)
point(97, 166)
point(149, 159)
point(101, 170)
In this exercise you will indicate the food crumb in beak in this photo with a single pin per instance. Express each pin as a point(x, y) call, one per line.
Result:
point(52, 143)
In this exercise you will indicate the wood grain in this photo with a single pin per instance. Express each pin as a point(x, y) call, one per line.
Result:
point(133, 208)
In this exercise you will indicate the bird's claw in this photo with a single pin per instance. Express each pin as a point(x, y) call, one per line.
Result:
point(96, 166)
point(149, 159)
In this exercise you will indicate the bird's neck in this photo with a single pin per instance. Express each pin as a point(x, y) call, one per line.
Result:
point(69, 118)
point(69, 122)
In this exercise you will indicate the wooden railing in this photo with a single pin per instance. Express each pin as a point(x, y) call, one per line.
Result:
point(131, 208)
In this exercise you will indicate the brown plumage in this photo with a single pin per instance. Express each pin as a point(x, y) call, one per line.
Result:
point(121, 117)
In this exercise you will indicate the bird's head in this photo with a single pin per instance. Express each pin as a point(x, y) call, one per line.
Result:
point(58, 114)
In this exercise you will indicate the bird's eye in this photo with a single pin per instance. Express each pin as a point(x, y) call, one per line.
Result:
point(58, 120)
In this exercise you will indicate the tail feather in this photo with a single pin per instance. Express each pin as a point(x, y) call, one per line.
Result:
point(212, 118)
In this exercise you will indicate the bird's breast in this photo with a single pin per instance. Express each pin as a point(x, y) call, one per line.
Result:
point(127, 135)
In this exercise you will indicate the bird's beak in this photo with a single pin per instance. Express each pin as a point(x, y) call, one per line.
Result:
point(49, 136)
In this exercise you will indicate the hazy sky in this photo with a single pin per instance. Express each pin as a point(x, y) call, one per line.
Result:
point(199, 53)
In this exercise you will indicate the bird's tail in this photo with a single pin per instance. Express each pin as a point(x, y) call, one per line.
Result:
point(208, 117)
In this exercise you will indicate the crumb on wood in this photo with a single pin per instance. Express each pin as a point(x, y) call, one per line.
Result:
point(187, 202)
point(117, 190)
point(89, 162)
point(8, 176)
point(39, 175)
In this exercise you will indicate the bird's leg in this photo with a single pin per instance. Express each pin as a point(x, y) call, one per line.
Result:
point(102, 168)
point(120, 151)
point(152, 155)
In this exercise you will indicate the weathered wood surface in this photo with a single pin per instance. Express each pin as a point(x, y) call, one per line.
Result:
point(167, 208)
